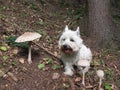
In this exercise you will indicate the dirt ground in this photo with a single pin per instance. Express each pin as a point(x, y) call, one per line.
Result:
point(49, 19)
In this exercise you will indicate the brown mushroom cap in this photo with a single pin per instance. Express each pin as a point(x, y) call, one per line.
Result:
point(28, 36)
point(83, 63)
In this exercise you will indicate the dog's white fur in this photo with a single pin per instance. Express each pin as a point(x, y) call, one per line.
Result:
point(79, 50)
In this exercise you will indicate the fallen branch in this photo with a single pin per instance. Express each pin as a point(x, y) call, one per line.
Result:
point(116, 69)
point(46, 50)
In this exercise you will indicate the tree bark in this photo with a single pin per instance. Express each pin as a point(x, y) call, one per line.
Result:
point(100, 25)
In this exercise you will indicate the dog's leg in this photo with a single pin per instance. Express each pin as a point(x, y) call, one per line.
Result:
point(68, 69)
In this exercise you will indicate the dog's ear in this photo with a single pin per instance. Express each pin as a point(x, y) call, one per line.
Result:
point(66, 28)
point(78, 31)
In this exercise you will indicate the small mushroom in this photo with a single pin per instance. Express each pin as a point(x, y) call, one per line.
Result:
point(28, 37)
point(100, 74)
point(84, 66)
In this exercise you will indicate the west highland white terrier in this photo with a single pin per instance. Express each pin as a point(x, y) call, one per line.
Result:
point(72, 49)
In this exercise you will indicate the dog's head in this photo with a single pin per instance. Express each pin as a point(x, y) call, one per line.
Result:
point(70, 41)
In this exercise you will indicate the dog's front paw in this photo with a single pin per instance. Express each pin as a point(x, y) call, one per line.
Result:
point(70, 73)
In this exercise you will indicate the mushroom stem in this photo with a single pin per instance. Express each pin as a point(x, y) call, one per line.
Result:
point(83, 79)
point(29, 54)
point(100, 83)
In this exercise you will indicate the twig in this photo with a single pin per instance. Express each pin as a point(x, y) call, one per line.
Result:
point(4, 72)
point(46, 50)
point(116, 69)
point(89, 87)
point(12, 76)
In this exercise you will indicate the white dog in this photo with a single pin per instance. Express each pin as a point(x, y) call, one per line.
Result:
point(72, 49)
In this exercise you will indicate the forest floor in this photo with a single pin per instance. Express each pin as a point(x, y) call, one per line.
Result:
point(46, 71)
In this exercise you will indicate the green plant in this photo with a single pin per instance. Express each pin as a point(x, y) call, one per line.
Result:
point(109, 73)
point(40, 31)
point(11, 42)
point(107, 86)
point(56, 66)
point(48, 60)
point(3, 48)
point(4, 57)
point(41, 66)
point(14, 63)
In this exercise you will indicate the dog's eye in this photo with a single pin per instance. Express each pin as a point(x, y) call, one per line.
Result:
point(63, 39)
point(72, 40)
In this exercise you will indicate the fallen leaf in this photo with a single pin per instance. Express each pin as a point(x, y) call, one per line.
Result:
point(21, 60)
point(55, 53)
point(66, 85)
point(77, 79)
point(55, 76)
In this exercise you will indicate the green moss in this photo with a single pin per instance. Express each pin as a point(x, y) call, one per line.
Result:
point(11, 42)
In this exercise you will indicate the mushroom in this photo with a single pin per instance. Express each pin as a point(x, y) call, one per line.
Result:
point(28, 37)
point(100, 74)
point(84, 65)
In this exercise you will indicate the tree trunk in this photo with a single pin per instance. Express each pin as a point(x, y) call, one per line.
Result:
point(100, 25)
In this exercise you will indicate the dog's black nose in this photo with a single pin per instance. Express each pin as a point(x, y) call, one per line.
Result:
point(65, 46)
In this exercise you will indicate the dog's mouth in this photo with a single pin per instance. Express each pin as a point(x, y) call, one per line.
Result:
point(66, 49)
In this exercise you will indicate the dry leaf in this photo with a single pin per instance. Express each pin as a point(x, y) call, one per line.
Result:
point(55, 76)
point(21, 60)
point(77, 79)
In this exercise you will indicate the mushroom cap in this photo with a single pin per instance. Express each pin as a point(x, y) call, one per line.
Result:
point(28, 36)
point(83, 63)
point(100, 73)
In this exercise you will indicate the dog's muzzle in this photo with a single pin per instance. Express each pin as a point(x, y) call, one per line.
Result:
point(66, 49)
